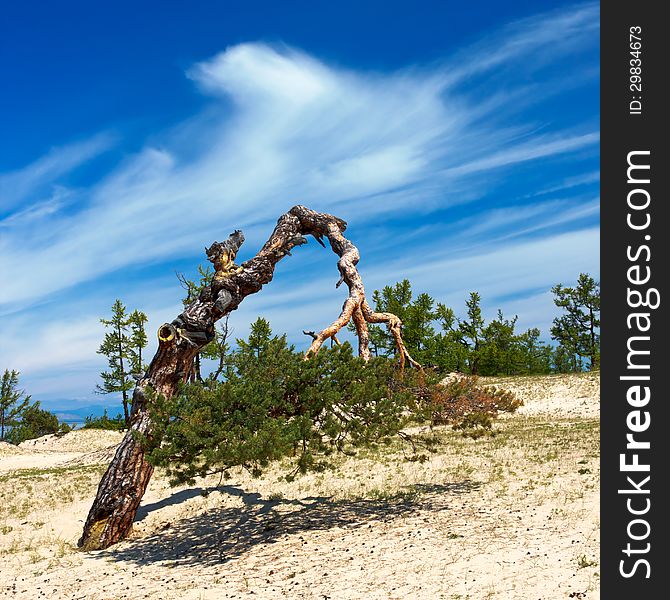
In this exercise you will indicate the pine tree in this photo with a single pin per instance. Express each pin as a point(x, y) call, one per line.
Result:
point(472, 332)
point(417, 317)
point(394, 299)
point(446, 351)
point(578, 329)
point(535, 357)
point(274, 404)
point(35, 422)
point(217, 350)
point(260, 337)
point(417, 326)
point(13, 401)
point(500, 347)
point(117, 346)
point(562, 361)
point(138, 341)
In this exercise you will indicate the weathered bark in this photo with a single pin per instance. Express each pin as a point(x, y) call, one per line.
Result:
point(123, 485)
point(120, 491)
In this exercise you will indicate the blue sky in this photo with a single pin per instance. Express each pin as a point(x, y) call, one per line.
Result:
point(459, 140)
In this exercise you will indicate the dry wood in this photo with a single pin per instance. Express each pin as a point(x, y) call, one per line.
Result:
point(123, 485)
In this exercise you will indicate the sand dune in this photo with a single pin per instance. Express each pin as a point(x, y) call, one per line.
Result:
point(7, 449)
point(80, 440)
point(509, 516)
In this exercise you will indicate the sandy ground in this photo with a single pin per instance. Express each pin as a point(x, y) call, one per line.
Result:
point(555, 395)
point(77, 447)
point(510, 516)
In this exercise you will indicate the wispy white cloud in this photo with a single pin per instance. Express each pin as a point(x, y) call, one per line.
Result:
point(533, 42)
point(40, 210)
point(300, 130)
point(518, 221)
point(533, 150)
point(281, 128)
point(508, 268)
point(17, 186)
point(570, 182)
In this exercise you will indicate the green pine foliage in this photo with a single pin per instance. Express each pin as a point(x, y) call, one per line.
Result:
point(34, 423)
point(265, 403)
point(13, 401)
point(438, 338)
point(104, 421)
point(447, 351)
point(471, 332)
point(273, 404)
point(138, 341)
point(417, 315)
point(577, 330)
point(122, 345)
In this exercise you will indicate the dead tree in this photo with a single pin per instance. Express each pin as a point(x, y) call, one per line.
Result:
point(125, 481)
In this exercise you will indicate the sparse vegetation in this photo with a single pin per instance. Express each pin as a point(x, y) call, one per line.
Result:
point(519, 488)
point(583, 562)
point(104, 421)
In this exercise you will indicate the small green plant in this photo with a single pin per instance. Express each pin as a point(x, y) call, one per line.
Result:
point(475, 425)
point(583, 562)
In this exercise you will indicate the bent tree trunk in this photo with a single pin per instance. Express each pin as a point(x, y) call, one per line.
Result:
point(125, 481)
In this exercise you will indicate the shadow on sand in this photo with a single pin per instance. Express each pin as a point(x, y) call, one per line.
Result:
point(222, 534)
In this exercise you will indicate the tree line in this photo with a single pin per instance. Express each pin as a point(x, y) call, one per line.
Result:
point(433, 333)
point(438, 338)
point(21, 419)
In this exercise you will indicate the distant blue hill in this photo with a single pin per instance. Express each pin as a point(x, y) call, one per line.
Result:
point(78, 415)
